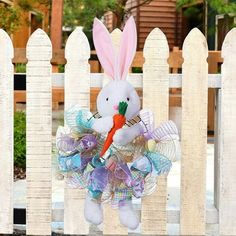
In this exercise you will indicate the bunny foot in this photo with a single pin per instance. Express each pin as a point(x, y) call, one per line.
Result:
point(128, 217)
point(93, 211)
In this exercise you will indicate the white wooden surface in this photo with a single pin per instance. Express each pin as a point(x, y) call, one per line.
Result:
point(6, 134)
point(175, 80)
point(77, 91)
point(156, 98)
point(38, 134)
point(194, 134)
point(227, 204)
point(112, 227)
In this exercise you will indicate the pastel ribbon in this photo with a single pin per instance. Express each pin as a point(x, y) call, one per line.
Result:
point(69, 163)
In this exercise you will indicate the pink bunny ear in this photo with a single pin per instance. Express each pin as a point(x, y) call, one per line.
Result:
point(127, 47)
point(103, 45)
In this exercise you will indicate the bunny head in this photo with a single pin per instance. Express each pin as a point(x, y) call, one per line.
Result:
point(116, 67)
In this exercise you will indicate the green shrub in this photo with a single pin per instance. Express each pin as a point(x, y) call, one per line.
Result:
point(61, 68)
point(137, 70)
point(20, 68)
point(20, 139)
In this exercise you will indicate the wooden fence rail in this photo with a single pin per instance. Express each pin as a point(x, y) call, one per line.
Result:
point(154, 84)
point(175, 62)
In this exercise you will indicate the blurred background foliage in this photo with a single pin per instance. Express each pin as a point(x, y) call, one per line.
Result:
point(226, 8)
point(82, 12)
point(220, 6)
point(20, 139)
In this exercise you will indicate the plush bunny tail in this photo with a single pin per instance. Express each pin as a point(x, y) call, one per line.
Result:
point(128, 47)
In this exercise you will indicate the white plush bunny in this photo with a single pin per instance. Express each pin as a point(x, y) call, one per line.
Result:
point(117, 90)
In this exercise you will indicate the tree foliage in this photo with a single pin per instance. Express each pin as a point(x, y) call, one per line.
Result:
point(19, 139)
point(82, 12)
point(9, 18)
point(219, 6)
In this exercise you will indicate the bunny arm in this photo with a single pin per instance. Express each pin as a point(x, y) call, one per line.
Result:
point(103, 124)
point(126, 135)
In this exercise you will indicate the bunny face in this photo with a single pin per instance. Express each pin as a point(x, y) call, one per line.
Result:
point(116, 66)
point(114, 92)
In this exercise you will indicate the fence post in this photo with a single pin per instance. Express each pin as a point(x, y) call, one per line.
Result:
point(77, 91)
point(194, 134)
point(6, 134)
point(112, 227)
point(156, 98)
point(227, 201)
point(38, 134)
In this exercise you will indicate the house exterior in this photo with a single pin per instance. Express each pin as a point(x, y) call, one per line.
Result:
point(31, 20)
point(157, 13)
point(214, 26)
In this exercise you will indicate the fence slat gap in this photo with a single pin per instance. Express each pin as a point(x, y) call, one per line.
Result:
point(6, 134)
point(194, 134)
point(77, 92)
point(227, 203)
point(156, 81)
point(39, 54)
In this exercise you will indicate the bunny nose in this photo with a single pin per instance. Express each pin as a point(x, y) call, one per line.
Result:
point(115, 107)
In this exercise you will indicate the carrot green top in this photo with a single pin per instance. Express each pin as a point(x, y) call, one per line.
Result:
point(122, 108)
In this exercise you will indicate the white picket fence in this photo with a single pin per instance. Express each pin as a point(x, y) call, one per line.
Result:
point(193, 214)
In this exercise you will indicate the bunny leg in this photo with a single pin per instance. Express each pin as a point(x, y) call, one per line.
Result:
point(93, 211)
point(126, 135)
point(127, 215)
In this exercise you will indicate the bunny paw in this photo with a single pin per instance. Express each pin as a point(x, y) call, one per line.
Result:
point(103, 125)
point(122, 137)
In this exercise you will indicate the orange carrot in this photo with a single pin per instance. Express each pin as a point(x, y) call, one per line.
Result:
point(118, 120)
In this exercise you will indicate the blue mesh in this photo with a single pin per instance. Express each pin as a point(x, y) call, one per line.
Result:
point(68, 163)
point(84, 120)
point(161, 164)
point(96, 161)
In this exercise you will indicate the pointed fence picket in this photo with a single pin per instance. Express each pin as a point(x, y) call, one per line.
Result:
point(227, 198)
point(194, 134)
point(38, 134)
point(155, 81)
point(77, 91)
point(6, 134)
